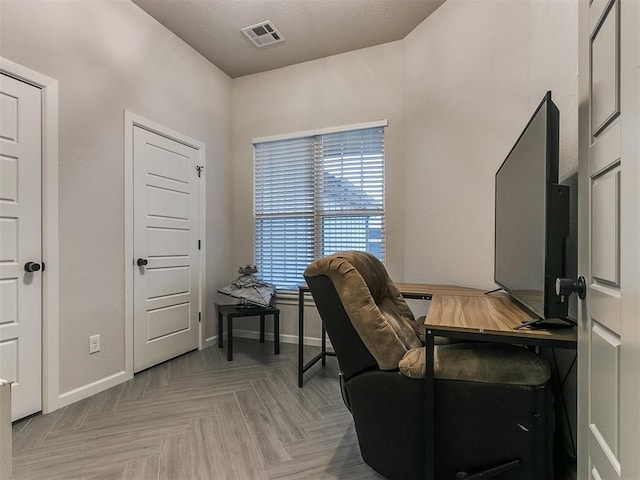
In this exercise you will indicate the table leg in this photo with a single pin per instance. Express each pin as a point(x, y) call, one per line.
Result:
point(229, 337)
point(261, 328)
point(276, 333)
point(220, 323)
point(324, 346)
point(300, 336)
point(429, 405)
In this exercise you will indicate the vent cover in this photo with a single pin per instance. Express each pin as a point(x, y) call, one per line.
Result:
point(263, 33)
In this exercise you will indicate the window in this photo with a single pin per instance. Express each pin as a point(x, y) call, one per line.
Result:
point(314, 196)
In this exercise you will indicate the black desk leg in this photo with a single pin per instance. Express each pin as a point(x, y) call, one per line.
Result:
point(229, 337)
point(220, 322)
point(261, 328)
point(324, 346)
point(429, 406)
point(276, 333)
point(300, 336)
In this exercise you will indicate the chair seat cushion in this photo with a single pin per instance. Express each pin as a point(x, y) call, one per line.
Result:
point(479, 362)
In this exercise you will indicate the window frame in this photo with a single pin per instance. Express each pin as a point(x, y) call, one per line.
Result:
point(318, 214)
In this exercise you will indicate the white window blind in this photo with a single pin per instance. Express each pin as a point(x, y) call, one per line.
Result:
point(315, 196)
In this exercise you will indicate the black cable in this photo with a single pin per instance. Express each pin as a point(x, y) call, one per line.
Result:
point(489, 292)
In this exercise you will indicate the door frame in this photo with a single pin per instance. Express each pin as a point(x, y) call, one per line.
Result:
point(132, 120)
point(50, 239)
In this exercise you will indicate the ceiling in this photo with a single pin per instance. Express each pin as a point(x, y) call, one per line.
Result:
point(311, 28)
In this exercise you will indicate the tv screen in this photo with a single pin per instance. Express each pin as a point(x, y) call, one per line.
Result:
point(532, 216)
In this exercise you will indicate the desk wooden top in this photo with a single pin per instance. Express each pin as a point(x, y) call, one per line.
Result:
point(427, 290)
point(471, 311)
point(495, 314)
point(436, 290)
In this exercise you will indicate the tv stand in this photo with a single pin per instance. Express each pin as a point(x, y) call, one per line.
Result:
point(547, 324)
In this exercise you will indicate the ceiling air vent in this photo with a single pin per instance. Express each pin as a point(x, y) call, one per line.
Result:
point(263, 33)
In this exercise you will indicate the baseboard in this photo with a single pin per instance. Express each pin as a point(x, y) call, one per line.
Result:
point(90, 389)
point(210, 341)
point(255, 335)
point(103, 384)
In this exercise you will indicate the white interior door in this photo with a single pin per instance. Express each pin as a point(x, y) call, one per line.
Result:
point(609, 358)
point(166, 221)
point(20, 242)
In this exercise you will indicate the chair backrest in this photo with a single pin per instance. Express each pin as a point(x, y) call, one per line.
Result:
point(353, 356)
point(362, 310)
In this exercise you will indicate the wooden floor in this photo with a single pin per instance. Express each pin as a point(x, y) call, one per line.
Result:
point(201, 417)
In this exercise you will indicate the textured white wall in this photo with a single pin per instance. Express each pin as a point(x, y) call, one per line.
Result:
point(109, 56)
point(475, 71)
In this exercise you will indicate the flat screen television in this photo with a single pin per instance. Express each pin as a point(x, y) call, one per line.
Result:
point(532, 217)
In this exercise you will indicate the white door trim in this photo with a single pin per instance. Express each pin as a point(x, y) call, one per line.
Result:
point(50, 280)
point(130, 120)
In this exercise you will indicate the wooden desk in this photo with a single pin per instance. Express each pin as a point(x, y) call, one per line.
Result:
point(493, 317)
point(488, 318)
point(417, 291)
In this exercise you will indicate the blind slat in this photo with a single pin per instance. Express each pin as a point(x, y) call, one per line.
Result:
point(314, 196)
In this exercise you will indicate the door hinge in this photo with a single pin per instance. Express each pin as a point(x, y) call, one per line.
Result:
point(199, 317)
point(199, 244)
point(199, 168)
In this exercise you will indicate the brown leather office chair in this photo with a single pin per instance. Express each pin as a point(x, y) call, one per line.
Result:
point(493, 405)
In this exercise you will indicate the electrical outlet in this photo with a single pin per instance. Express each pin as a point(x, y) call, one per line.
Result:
point(94, 343)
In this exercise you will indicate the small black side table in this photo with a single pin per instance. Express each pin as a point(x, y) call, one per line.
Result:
point(233, 311)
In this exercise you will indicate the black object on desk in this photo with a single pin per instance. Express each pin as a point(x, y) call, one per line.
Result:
point(233, 311)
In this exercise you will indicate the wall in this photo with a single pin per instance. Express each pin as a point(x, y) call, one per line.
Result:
point(355, 87)
point(109, 56)
point(457, 91)
point(468, 97)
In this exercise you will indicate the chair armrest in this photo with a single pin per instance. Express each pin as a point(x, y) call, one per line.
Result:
point(413, 364)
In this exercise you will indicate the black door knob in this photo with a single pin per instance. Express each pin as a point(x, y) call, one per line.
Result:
point(142, 262)
point(567, 286)
point(31, 267)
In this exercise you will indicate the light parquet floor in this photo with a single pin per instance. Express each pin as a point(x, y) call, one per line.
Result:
point(200, 417)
